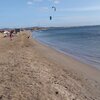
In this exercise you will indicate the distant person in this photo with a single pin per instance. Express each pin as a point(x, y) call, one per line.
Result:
point(6, 33)
point(11, 34)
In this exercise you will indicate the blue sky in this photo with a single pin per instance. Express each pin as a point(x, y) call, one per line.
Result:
point(24, 13)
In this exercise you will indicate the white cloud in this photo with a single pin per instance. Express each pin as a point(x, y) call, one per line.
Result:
point(37, 0)
point(32, 1)
point(81, 9)
point(56, 1)
point(43, 9)
point(29, 2)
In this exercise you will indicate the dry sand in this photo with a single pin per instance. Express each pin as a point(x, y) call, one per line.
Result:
point(32, 71)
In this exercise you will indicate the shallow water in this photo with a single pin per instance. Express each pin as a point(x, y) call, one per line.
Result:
point(81, 42)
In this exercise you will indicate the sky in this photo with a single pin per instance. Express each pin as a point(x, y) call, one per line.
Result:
point(29, 13)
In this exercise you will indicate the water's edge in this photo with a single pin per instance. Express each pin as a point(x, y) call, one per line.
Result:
point(81, 43)
point(67, 54)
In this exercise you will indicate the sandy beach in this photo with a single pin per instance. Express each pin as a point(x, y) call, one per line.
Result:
point(30, 70)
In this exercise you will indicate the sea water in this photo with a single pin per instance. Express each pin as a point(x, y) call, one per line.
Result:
point(83, 43)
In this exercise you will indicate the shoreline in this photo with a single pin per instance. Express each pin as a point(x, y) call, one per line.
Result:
point(86, 67)
point(80, 59)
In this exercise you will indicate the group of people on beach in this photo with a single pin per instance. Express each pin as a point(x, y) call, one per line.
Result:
point(9, 33)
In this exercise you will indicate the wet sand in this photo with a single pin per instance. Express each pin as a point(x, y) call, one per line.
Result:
point(30, 70)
